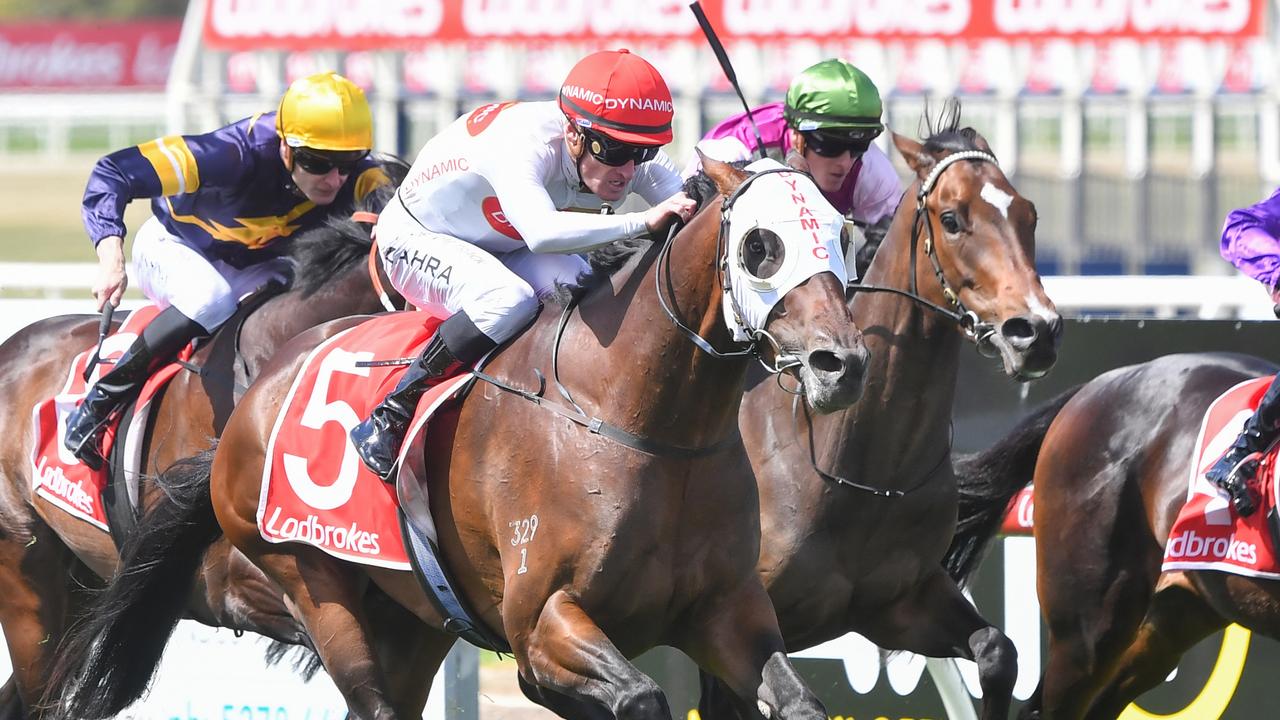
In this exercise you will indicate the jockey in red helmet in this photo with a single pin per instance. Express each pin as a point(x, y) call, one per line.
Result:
point(489, 219)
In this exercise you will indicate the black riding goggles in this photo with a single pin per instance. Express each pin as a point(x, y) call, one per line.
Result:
point(614, 153)
point(834, 144)
point(322, 162)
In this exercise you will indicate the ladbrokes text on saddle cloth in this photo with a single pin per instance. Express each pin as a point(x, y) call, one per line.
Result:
point(1209, 534)
point(57, 475)
point(315, 490)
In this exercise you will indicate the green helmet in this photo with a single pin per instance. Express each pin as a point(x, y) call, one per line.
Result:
point(834, 95)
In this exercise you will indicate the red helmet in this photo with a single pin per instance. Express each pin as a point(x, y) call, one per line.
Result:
point(619, 95)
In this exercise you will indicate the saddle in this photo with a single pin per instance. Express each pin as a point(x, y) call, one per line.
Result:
point(109, 498)
point(317, 492)
point(1209, 534)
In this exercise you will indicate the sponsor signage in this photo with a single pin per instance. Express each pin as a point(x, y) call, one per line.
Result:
point(87, 56)
point(364, 24)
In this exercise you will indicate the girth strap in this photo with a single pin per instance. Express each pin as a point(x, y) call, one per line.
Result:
point(431, 575)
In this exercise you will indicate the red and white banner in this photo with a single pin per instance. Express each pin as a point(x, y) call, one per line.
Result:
point(364, 24)
point(87, 56)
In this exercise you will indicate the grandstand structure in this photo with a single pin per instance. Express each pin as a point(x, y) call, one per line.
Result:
point(1134, 125)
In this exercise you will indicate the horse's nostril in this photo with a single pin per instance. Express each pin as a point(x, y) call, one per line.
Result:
point(826, 361)
point(1018, 331)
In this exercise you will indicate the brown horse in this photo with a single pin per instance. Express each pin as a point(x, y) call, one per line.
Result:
point(1110, 462)
point(858, 506)
point(47, 557)
point(634, 549)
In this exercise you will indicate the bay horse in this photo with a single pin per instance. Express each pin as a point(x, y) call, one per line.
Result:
point(634, 548)
point(48, 557)
point(1110, 461)
point(858, 507)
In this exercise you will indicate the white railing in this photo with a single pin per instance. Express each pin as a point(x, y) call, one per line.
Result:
point(51, 118)
point(1203, 297)
point(1233, 297)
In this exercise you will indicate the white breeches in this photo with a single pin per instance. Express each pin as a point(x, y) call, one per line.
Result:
point(499, 293)
point(169, 272)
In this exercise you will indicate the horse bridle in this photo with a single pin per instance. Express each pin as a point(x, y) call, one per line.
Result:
point(973, 327)
point(781, 361)
point(968, 320)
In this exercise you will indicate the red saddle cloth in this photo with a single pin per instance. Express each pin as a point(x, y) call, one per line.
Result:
point(56, 474)
point(315, 489)
point(1209, 534)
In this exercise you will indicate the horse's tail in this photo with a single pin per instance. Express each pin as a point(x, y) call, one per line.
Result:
point(305, 662)
point(988, 480)
point(108, 658)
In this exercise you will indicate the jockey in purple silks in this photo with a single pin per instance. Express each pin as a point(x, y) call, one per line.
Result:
point(1251, 241)
point(225, 206)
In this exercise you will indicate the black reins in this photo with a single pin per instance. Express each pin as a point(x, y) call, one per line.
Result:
point(973, 328)
point(967, 319)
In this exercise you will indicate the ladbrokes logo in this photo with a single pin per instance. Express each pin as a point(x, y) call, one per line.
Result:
point(1191, 546)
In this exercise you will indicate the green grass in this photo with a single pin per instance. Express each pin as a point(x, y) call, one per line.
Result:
point(40, 217)
point(37, 243)
point(492, 659)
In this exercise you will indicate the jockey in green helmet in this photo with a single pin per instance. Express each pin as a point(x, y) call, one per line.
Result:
point(827, 125)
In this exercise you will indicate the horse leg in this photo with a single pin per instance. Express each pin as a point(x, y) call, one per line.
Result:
point(1178, 618)
point(936, 620)
point(739, 641)
point(35, 607)
point(567, 653)
point(1085, 639)
point(326, 596)
point(409, 652)
point(11, 707)
point(715, 699)
point(563, 705)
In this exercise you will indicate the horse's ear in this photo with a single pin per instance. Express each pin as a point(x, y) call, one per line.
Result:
point(796, 161)
point(726, 177)
point(913, 152)
point(978, 141)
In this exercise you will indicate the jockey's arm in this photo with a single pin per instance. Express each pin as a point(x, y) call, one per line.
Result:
point(1251, 240)
point(170, 165)
point(546, 229)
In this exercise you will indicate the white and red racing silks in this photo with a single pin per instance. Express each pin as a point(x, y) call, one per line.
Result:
point(501, 177)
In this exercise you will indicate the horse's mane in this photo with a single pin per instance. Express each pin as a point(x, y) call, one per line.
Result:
point(324, 252)
point(942, 132)
point(610, 258)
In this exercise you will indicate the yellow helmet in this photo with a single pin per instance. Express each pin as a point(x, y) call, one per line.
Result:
point(325, 111)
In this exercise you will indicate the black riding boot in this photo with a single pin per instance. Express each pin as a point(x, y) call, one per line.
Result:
point(456, 342)
point(163, 337)
point(1238, 465)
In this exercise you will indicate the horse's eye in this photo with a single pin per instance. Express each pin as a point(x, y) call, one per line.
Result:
point(950, 222)
point(762, 253)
